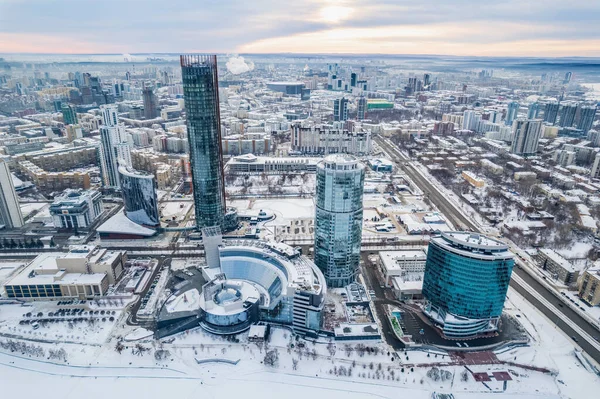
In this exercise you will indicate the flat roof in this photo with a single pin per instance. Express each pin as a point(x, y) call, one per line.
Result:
point(391, 259)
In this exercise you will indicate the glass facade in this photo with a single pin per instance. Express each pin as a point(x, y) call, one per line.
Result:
point(338, 220)
point(139, 197)
point(201, 94)
point(466, 279)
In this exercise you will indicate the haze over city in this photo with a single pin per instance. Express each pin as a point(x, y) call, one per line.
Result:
point(464, 27)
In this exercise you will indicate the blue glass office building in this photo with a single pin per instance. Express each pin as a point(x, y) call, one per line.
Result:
point(201, 95)
point(338, 219)
point(465, 284)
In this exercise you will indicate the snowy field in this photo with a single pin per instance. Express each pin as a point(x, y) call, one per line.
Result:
point(285, 209)
point(148, 369)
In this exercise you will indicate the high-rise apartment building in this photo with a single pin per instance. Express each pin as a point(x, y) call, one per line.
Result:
point(361, 107)
point(69, 114)
point(201, 95)
point(338, 220)
point(465, 283)
point(340, 109)
point(511, 113)
point(551, 112)
point(533, 111)
point(10, 212)
point(150, 103)
point(139, 196)
point(567, 114)
point(526, 136)
point(587, 114)
point(114, 146)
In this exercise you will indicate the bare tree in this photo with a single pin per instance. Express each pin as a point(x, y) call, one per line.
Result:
point(271, 358)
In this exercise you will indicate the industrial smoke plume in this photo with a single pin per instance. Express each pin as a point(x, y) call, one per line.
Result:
point(237, 65)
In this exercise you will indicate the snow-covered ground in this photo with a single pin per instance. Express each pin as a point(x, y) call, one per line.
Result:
point(146, 368)
point(550, 348)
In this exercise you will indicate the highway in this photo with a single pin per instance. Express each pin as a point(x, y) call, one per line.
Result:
point(569, 321)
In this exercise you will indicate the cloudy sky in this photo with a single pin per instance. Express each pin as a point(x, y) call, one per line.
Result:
point(455, 27)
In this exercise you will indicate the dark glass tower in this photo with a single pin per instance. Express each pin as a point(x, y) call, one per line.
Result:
point(139, 197)
point(201, 94)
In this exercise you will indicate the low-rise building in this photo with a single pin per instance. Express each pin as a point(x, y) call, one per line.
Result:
point(560, 268)
point(84, 272)
point(472, 178)
point(76, 209)
point(251, 164)
point(589, 291)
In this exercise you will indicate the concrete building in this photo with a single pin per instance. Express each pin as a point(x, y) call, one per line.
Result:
point(114, 146)
point(472, 178)
point(291, 88)
point(403, 271)
point(76, 209)
point(361, 108)
point(10, 212)
point(551, 112)
point(251, 164)
point(589, 290)
point(560, 268)
point(84, 273)
point(201, 94)
point(587, 115)
point(338, 219)
point(568, 112)
point(533, 110)
point(69, 114)
point(249, 143)
point(151, 108)
point(465, 284)
point(512, 111)
point(340, 109)
point(526, 136)
point(329, 139)
point(48, 182)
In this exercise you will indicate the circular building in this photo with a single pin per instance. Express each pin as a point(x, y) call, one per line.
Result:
point(229, 306)
point(338, 220)
point(465, 284)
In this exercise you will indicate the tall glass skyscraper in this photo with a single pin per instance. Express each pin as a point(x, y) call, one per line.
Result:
point(338, 220)
point(201, 94)
point(139, 197)
point(465, 284)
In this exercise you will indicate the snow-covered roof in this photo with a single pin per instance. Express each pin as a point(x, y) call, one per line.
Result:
point(120, 224)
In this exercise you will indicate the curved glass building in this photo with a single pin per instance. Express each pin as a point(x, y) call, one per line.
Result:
point(139, 197)
point(338, 219)
point(465, 284)
point(201, 95)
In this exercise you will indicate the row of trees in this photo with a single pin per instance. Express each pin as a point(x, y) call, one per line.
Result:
point(25, 243)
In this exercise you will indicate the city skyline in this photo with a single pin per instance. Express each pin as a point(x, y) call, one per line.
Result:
point(511, 28)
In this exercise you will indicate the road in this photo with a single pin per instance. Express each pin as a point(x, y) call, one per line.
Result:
point(132, 320)
point(524, 284)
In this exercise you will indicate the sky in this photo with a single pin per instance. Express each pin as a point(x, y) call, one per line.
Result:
point(451, 27)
